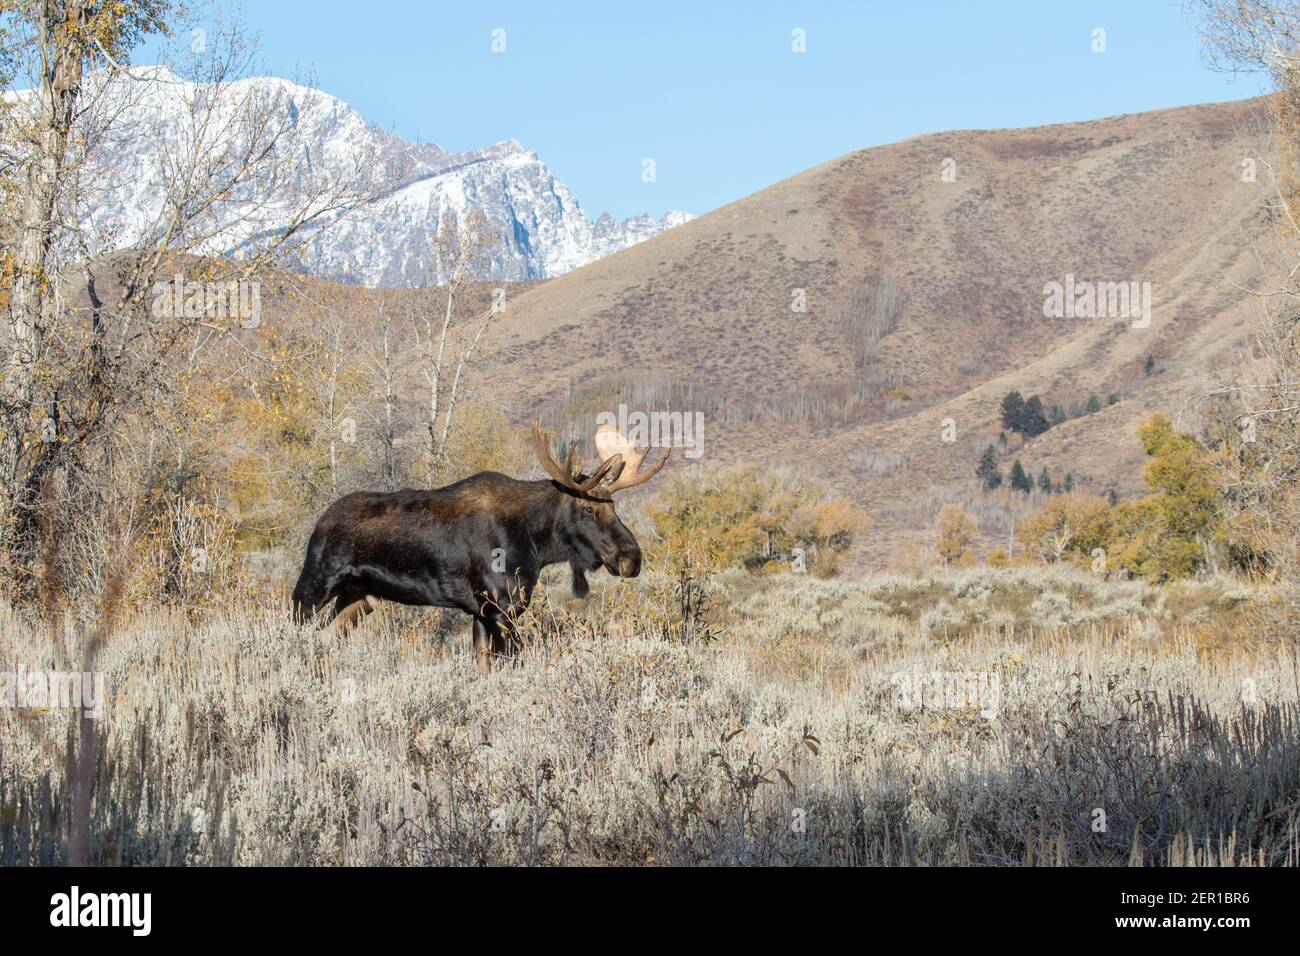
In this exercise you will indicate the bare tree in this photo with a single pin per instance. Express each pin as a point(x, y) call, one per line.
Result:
point(86, 341)
point(1253, 412)
point(449, 345)
point(380, 358)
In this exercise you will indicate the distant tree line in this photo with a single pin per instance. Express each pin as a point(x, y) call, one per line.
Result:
point(990, 476)
point(1025, 416)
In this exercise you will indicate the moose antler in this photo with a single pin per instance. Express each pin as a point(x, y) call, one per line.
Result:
point(568, 474)
point(612, 444)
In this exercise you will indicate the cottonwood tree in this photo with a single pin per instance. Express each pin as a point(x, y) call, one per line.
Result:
point(334, 354)
point(957, 531)
point(1067, 525)
point(1253, 412)
point(380, 359)
point(85, 345)
point(449, 337)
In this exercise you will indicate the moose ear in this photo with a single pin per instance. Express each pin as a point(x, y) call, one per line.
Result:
point(580, 586)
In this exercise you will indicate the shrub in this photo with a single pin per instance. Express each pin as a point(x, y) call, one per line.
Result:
point(749, 518)
point(957, 530)
point(1069, 525)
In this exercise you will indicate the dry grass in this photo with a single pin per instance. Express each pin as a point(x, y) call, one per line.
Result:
point(241, 739)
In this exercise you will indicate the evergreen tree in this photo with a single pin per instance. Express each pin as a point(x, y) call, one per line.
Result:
point(1013, 411)
point(1058, 415)
point(1094, 403)
point(1150, 366)
point(1044, 481)
point(988, 473)
point(1033, 422)
point(1020, 480)
point(1112, 498)
point(1068, 484)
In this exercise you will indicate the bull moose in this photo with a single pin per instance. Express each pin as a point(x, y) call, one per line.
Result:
point(477, 545)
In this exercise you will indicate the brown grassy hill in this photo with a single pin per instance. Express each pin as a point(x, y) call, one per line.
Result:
point(924, 304)
point(702, 316)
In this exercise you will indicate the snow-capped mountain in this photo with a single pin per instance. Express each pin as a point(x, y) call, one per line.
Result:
point(152, 127)
point(543, 230)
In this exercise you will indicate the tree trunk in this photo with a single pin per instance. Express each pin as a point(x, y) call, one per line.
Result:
point(24, 458)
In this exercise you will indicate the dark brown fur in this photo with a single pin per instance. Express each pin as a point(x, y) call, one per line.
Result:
point(477, 545)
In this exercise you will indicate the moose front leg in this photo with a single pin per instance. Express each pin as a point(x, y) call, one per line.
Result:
point(506, 642)
point(495, 638)
point(501, 600)
point(482, 646)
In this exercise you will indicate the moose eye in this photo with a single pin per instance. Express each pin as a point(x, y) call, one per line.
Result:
point(589, 509)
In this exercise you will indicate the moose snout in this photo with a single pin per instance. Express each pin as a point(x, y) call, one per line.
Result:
point(629, 564)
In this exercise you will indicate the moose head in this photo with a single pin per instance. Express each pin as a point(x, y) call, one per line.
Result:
point(588, 522)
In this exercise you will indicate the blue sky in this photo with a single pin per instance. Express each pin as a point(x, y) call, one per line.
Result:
point(713, 92)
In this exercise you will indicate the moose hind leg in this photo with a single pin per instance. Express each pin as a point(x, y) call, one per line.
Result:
point(350, 609)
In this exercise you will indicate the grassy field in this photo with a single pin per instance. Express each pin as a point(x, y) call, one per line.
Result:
point(984, 717)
